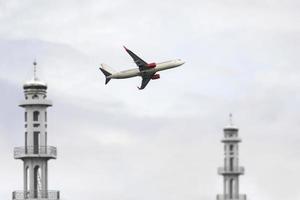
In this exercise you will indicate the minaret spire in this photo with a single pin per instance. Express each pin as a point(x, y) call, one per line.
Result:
point(34, 69)
point(230, 119)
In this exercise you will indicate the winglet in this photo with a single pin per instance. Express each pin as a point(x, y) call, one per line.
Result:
point(125, 48)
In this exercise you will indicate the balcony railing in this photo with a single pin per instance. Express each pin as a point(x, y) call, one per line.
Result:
point(228, 170)
point(40, 194)
point(43, 102)
point(35, 151)
point(232, 197)
point(231, 139)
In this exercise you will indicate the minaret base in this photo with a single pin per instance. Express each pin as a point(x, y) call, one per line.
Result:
point(227, 197)
point(40, 195)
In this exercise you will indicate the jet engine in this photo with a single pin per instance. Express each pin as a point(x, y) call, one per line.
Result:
point(155, 76)
point(151, 65)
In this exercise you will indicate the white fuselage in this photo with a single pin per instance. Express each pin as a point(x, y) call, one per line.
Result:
point(136, 72)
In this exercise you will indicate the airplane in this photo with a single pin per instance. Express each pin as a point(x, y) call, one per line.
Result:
point(146, 70)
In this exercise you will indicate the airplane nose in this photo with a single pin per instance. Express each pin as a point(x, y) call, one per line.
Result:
point(182, 62)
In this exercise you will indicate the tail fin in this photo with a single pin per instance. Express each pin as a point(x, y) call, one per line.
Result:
point(107, 71)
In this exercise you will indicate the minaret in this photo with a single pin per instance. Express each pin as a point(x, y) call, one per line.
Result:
point(36, 152)
point(231, 169)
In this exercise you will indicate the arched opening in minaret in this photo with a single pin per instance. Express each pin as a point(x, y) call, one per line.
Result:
point(37, 186)
point(36, 116)
point(27, 175)
point(231, 188)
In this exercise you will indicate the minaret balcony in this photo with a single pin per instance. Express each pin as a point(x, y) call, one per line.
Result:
point(231, 139)
point(231, 197)
point(36, 195)
point(35, 102)
point(228, 170)
point(35, 151)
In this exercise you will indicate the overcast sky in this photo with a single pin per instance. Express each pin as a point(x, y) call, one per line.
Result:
point(118, 143)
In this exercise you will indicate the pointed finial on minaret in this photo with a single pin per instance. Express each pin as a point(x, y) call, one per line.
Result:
point(230, 119)
point(35, 82)
point(230, 124)
point(34, 69)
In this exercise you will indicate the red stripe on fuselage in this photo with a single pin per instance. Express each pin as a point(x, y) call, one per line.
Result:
point(151, 65)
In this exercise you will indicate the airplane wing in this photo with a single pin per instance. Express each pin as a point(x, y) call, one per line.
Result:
point(138, 61)
point(145, 80)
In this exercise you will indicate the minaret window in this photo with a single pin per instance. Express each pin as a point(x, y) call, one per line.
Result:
point(36, 142)
point(45, 116)
point(35, 96)
point(45, 138)
point(25, 116)
point(26, 140)
point(36, 115)
point(231, 148)
point(231, 164)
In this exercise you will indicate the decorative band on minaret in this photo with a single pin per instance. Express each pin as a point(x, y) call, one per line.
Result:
point(231, 169)
point(36, 152)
